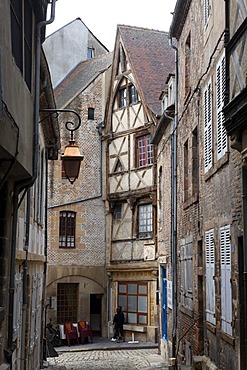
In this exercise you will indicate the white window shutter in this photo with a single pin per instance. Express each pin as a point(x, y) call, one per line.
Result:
point(210, 271)
point(182, 273)
point(226, 288)
point(206, 11)
point(208, 127)
point(17, 314)
point(220, 118)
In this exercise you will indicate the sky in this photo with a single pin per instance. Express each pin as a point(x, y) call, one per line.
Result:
point(103, 16)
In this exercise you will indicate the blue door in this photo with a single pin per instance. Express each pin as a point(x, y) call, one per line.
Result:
point(164, 304)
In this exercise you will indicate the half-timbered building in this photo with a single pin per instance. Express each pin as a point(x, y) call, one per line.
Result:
point(142, 62)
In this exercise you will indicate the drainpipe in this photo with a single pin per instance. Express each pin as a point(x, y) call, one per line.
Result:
point(24, 185)
point(43, 353)
point(244, 196)
point(174, 208)
point(24, 279)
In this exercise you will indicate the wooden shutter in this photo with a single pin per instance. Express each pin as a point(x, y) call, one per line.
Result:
point(206, 11)
point(226, 288)
point(220, 118)
point(208, 127)
point(17, 314)
point(182, 273)
point(210, 271)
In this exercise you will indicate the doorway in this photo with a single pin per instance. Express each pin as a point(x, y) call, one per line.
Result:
point(95, 313)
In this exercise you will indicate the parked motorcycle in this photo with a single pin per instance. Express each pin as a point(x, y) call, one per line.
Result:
point(54, 339)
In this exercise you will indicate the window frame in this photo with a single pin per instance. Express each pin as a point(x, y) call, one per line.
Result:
point(122, 97)
point(145, 221)
point(133, 95)
point(67, 302)
point(90, 52)
point(90, 113)
point(144, 152)
point(67, 232)
point(128, 312)
point(117, 211)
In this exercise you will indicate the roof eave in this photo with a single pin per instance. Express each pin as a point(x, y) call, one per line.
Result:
point(179, 17)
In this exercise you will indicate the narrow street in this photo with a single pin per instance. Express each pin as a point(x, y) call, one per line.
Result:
point(103, 354)
point(112, 359)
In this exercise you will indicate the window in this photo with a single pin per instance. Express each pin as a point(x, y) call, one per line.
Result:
point(133, 97)
point(226, 287)
point(220, 118)
point(117, 211)
point(187, 65)
point(122, 97)
point(90, 113)
point(67, 229)
point(67, 302)
point(90, 53)
point(145, 152)
point(186, 171)
point(145, 221)
point(195, 162)
point(186, 265)
point(210, 273)
point(21, 37)
point(133, 297)
point(208, 127)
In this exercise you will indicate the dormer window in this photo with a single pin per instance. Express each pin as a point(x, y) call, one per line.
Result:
point(122, 97)
point(90, 53)
point(127, 95)
point(133, 97)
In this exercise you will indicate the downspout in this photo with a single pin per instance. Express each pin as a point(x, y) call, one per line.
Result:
point(43, 354)
point(24, 185)
point(174, 207)
point(24, 279)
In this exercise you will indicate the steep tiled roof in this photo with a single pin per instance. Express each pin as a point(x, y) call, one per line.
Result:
point(81, 76)
point(152, 60)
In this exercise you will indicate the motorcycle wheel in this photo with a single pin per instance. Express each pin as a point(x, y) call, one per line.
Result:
point(57, 342)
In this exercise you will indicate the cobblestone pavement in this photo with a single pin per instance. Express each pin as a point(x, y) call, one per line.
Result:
point(120, 359)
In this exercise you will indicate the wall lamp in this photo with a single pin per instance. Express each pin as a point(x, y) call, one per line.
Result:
point(71, 159)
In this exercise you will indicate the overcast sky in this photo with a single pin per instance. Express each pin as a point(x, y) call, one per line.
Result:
point(102, 16)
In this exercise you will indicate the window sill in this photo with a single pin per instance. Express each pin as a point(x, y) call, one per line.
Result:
point(186, 310)
point(217, 166)
point(191, 200)
point(211, 327)
point(227, 338)
point(140, 329)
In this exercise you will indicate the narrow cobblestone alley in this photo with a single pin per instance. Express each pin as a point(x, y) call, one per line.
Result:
point(124, 359)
